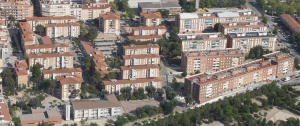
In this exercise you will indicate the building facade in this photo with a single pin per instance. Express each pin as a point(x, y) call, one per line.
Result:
point(290, 23)
point(143, 38)
point(210, 60)
point(27, 36)
point(140, 71)
point(173, 7)
point(207, 86)
point(96, 109)
point(150, 30)
point(114, 86)
point(34, 21)
point(93, 10)
point(69, 86)
point(202, 41)
point(21, 76)
point(150, 19)
point(198, 22)
point(48, 48)
point(242, 27)
point(140, 49)
point(62, 29)
point(109, 23)
point(244, 41)
point(51, 74)
point(141, 59)
point(18, 8)
point(52, 60)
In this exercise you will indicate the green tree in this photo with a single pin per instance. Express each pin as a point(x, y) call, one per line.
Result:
point(87, 63)
point(93, 124)
point(296, 62)
point(92, 34)
point(123, 5)
point(82, 122)
point(126, 92)
point(173, 34)
point(96, 78)
point(164, 13)
point(275, 31)
point(168, 106)
point(49, 85)
point(184, 74)
point(40, 28)
point(12, 19)
point(130, 13)
point(189, 100)
point(150, 90)
point(112, 75)
point(113, 6)
point(265, 20)
point(160, 92)
point(170, 94)
point(144, 115)
point(36, 74)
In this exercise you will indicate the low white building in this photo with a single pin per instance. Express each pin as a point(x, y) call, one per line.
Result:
point(96, 109)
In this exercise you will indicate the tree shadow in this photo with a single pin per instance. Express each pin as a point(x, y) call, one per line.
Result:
point(110, 121)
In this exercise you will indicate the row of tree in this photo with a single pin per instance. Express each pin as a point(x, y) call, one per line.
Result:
point(257, 52)
point(188, 6)
point(8, 82)
point(220, 3)
point(138, 94)
point(276, 7)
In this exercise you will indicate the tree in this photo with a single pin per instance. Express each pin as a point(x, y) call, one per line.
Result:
point(216, 27)
point(189, 100)
point(92, 34)
point(184, 74)
point(87, 63)
point(138, 93)
point(49, 85)
point(113, 6)
point(126, 92)
point(170, 94)
point(173, 34)
point(160, 92)
point(152, 113)
point(130, 13)
point(171, 49)
point(123, 5)
point(112, 75)
point(40, 28)
point(120, 98)
point(296, 63)
point(175, 85)
point(197, 72)
point(12, 19)
point(144, 115)
point(168, 106)
point(150, 90)
point(36, 73)
point(182, 3)
point(94, 124)
point(34, 102)
point(8, 81)
point(82, 122)
point(96, 78)
point(265, 20)
point(164, 13)
point(275, 31)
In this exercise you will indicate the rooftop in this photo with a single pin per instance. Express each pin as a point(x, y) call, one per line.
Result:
point(201, 36)
point(43, 55)
point(46, 40)
point(68, 79)
point(110, 102)
point(21, 63)
point(188, 15)
point(243, 24)
point(291, 22)
point(250, 34)
point(99, 62)
point(131, 81)
point(132, 46)
point(151, 14)
point(102, 70)
point(40, 116)
point(70, 70)
point(141, 56)
point(62, 24)
point(97, 54)
point(4, 110)
point(27, 37)
point(147, 66)
point(87, 45)
point(207, 53)
point(110, 16)
point(136, 37)
point(101, 6)
point(224, 9)
point(36, 46)
point(25, 27)
point(21, 71)
point(148, 27)
point(278, 56)
point(50, 18)
point(163, 5)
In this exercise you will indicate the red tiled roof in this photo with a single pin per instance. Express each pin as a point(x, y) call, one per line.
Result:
point(21, 71)
point(61, 70)
point(151, 14)
point(46, 40)
point(25, 27)
point(110, 16)
point(4, 111)
point(291, 22)
point(21, 63)
point(87, 45)
point(68, 80)
point(103, 6)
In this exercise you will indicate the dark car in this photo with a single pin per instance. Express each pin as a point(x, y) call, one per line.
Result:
point(77, 52)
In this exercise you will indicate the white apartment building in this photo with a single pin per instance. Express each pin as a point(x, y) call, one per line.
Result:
point(114, 86)
point(133, 60)
point(140, 71)
point(62, 29)
point(56, 9)
point(96, 109)
point(53, 60)
point(140, 49)
point(34, 21)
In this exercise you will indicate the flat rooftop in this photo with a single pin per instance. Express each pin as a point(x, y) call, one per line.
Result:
point(110, 102)
point(213, 53)
point(201, 36)
point(251, 34)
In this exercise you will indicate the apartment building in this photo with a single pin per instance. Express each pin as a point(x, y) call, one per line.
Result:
point(242, 27)
point(148, 30)
point(52, 60)
point(114, 86)
point(69, 86)
point(143, 38)
point(210, 60)
point(204, 87)
point(34, 21)
point(49, 48)
point(96, 109)
point(21, 76)
point(131, 60)
point(27, 36)
point(92, 11)
point(62, 29)
point(202, 41)
point(140, 49)
point(6, 119)
point(173, 7)
point(140, 71)
point(18, 8)
point(52, 73)
point(107, 43)
point(284, 62)
point(290, 23)
point(246, 40)
point(56, 9)
point(39, 115)
point(150, 18)
point(21, 63)
point(109, 23)
point(197, 22)
point(99, 62)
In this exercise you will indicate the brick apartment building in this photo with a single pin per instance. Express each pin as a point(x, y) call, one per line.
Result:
point(48, 48)
point(140, 49)
point(18, 8)
point(69, 86)
point(21, 63)
point(34, 21)
point(114, 86)
point(52, 60)
point(210, 60)
point(202, 41)
point(109, 23)
point(21, 76)
point(197, 22)
point(246, 40)
point(51, 74)
point(150, 18)
point(206, 86)
point(99, 62)
point(242, 27)
point(140, 71)
point(131, 60)
point(27, 36)
point(290, 23)
point(39, 115)
point(149, 30)
point(92, 10)
point(62, 29)
point(173, 7)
